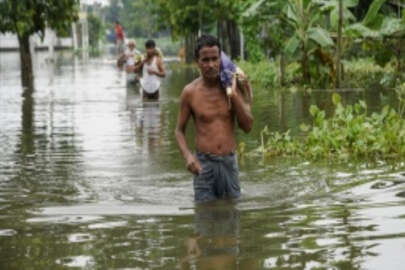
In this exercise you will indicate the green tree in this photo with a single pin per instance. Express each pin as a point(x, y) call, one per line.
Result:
point(227, 14)
point(384, 30)
point(305, 18)
point(27, 17)
point(187, 18)
point(266, 29)
point(184, 18)
point(95, 30)
point(139, 18)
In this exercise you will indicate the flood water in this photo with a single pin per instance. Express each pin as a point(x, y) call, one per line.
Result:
point(91, 178)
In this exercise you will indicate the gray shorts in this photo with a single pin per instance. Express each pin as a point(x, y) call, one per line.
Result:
point(219, 178)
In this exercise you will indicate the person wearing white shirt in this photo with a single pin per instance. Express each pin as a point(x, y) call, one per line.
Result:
point(132, 56)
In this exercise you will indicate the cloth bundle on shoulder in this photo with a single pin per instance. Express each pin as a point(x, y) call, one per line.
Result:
point(230, 75)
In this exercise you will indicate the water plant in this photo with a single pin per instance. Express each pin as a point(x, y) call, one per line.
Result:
point(351, 133)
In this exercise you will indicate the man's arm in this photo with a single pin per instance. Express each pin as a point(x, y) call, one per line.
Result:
point(138, 66)
point(241, 107)
point(184, 115)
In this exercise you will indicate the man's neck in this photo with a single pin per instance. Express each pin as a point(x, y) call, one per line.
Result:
point(210, 82)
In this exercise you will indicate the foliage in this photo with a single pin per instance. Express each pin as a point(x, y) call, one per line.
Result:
point(304, 17)
point(333, 8)
point(189, 16)
point(264, 27)
point(139, 19)
point(349, 134)
point(266, 73)
point(184, 16)
point(308, 36)
point(359, 73)
point(26, 17)
point(365, 73)
point(96, 30)
point(376, 25)
point(263, 73)
point(400, 90)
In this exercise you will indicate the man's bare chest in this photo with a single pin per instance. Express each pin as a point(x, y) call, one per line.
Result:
point(208, 108)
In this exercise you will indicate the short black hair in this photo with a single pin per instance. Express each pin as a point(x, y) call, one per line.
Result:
point(150, 44)
point(205, 41)
point(117, 22)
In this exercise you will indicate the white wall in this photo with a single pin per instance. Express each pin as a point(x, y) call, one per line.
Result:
point(10, 41)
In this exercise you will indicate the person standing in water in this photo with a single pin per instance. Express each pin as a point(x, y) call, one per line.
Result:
point(132, 56)
point(152, 70)
point(214, 166)
point(119, 38)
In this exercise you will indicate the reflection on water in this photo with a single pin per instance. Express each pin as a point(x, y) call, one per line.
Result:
point(91, 178)
point(215, 241)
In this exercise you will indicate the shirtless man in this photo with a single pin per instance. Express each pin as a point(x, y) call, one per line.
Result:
point(215, 165)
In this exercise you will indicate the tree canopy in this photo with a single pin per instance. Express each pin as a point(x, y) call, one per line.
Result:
point(26, 17)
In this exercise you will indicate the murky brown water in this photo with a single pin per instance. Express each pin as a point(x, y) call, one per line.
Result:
point(90, 178)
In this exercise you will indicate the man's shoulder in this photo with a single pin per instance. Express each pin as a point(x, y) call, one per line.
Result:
point(192, 87)
point(190, 90)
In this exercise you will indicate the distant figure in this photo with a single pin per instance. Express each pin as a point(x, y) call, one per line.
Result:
point(152, 70)
point(182, 55)
point(132, 56)
point(205, 100)
point(119, 38)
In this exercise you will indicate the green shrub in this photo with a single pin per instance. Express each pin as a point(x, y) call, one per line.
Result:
point(349, 134)
point(359, 73)
point(266, 73)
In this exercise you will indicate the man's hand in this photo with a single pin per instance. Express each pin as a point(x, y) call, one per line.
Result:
point(151, 71)
point(193, 165)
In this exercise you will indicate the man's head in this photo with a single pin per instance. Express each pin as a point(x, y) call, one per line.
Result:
point(150, 47)
point(117, 22)
point(208, 56)
point(131, 44)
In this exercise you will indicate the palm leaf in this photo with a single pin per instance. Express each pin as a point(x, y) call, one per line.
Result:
point(320, 36)
point(372, 12)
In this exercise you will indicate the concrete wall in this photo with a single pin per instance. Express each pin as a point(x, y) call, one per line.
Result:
point(9, 41)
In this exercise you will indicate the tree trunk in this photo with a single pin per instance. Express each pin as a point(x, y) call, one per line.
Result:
point(190, 41)
point(242, 44)
point(305, 69)
point(27, 142)
point(229, 36)
point(219, 30)
point(27, 76)
point(233, 38)
point(283, 122)
point(282, 68)
point(399, 55)
point(339, 46)
point(399, 66)
point(222, 32)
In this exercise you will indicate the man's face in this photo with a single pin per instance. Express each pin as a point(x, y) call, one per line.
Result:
point(150, 51)
point(209, 62)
